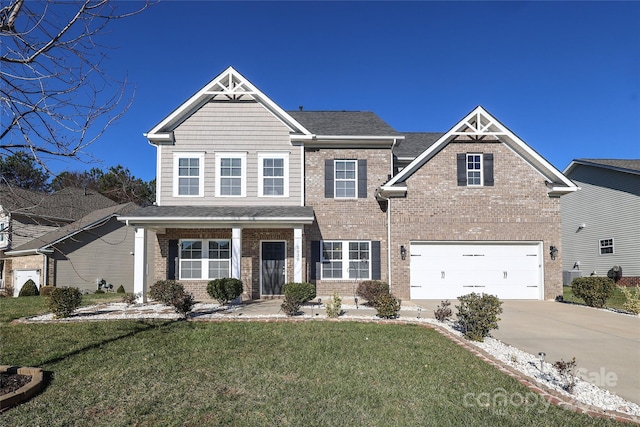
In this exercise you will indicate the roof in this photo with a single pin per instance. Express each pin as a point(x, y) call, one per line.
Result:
point(217, 215)
point(415, 143)
point(94, 219)
point(620, 165)
point(351, 123)
point(68, 204)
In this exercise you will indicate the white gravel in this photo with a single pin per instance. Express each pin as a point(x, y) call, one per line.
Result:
point(526, 363)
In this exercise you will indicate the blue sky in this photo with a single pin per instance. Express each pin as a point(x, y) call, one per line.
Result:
point(564, 76)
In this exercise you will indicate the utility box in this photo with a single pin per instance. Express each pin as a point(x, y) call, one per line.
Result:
point(569, 275)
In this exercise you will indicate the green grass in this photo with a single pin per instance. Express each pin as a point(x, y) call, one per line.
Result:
point(15, 308)
point(616, 301)
point(178, 373)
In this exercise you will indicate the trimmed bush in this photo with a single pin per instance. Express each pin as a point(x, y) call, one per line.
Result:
point(29, 289)
point(334, 306)
point(291, 305)
point(593, 290)
point(370, 290)
point(46, 290)
point(225, 289)
point(64, 301)
point(129, 298)
point(303, 291)
point(387, 306)
point(120, 290)
point(478, 315)
point(172, 293)
point(99, 291)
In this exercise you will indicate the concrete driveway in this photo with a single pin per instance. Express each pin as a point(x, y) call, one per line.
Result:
point(606, 345)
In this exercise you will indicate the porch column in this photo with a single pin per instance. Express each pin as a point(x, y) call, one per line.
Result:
point(139, 265)
point(236, 252)
point(297, 254)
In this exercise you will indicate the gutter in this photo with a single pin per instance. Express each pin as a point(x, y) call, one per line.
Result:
point(39, 251)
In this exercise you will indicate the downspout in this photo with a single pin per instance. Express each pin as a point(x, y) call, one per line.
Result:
point(388, 200)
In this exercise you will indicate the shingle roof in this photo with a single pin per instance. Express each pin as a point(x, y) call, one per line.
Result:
point(632, 165)
point(67, 204)
point(222, 212)
point(352, 123)
point(83, 223)
point(415, 143)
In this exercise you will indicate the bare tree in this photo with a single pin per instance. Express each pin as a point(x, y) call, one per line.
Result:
point(55, 94)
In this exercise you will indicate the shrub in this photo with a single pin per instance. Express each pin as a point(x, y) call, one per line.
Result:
point(29, 289)
point(334, 306)
point(224, 290)
point(120, 290)
point(46, 290)
point(593, 290)
point(291, 305)
point(443, 312)
point(99, 291)
point(370, 290)
point(478, 315)
point(567, 371)
point(631, 303)
point(63, 301)
point(302, 291)
point(172, 293)
point(387, 306)
point(129, 298)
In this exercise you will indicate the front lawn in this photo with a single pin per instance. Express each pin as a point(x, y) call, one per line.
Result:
point(616, 301)
point(15, 308)
point(316, 373)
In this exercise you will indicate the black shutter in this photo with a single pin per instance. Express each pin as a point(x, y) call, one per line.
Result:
point(362, 179)
point(487, 168)
point(315, 265)
point(375, 260)
point(462, 168)
point(172, 260)
point(328, 179)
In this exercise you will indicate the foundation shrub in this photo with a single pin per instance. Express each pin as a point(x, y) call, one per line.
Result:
point(46, 290)
point(370, 290)
point(120, 290)
point(632, 299)
point(172, 293)
point(593, 290)
point(129, 298)
point(303, 291)
point(333, 307)
point(64, 301)
point(29, 289)
point(478, 315)
point(387, 306)
point(225, 289)
point(291, 305)
point(443, 311)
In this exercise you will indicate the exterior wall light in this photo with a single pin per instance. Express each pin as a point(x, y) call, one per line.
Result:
point(403, 252)
point(553, 251)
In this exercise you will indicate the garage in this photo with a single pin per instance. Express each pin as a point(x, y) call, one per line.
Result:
point(446, 270)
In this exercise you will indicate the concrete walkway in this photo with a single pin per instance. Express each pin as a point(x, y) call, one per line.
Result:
point(606, 345)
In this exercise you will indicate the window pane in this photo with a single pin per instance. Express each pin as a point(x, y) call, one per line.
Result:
point(190, 269)
point(219, 249)
point(188, 176)
point(332, 270)
point(218, 269)
point(191, 249)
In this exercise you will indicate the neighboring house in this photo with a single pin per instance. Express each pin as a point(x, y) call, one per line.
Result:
point(26, 215)
point(248, 190)
point(601, 222)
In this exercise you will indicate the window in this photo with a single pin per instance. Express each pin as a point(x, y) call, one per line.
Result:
point(606, 246)
point(230, 172)
point(345, 179)
point(346, 259)
point(474, 169)
point(188, 174)
point(274, 174)
point(212, 262)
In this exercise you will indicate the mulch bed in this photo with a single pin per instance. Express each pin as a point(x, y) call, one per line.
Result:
point(12, 382)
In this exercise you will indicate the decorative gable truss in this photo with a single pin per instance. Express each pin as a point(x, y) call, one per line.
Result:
point(480, 126)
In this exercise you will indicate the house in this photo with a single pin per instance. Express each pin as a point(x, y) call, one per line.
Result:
point(248, 190)
point(26, 215)
point(601, 222)
point(95, 248)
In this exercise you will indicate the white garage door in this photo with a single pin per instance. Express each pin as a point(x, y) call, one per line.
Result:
point(446, 270)
point(20, 277)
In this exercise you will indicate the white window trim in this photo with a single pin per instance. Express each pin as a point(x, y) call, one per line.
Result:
point(600, 247)
point(243, 178)
point(204, 266)
point(274, 155)
point(475, 170)
point(335, 180)
point(177, 155)
point(345, 260)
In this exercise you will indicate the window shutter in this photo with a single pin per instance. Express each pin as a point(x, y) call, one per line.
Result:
point(487, 169)
point(462, 169)
point(328, 179)
point(375, 260)
point(362, 179)
point(172, 260)
point(314, 265)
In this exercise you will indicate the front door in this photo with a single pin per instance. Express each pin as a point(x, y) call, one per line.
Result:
point(273, 268)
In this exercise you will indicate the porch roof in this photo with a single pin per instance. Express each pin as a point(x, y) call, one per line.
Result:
point(219, 216)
